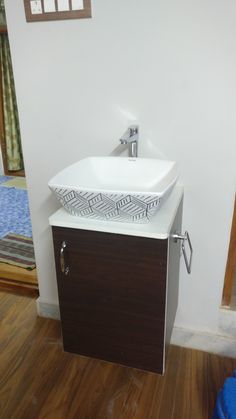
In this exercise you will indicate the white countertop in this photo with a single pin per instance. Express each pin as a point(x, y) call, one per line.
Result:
point(158, 228)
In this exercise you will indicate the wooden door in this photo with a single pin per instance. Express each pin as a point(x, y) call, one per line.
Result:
point(231, 264)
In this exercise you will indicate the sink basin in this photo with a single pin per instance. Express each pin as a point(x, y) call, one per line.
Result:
point(115, 188)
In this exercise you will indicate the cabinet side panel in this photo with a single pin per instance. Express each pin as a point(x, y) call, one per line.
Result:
point(173, 275)
point(112, 302)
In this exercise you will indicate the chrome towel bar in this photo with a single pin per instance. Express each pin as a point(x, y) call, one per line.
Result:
point(185, 237)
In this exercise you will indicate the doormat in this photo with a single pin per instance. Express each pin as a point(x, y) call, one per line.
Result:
point(17, 250)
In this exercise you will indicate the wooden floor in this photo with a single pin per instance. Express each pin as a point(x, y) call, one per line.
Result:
point(14, 278)
point(39, 380)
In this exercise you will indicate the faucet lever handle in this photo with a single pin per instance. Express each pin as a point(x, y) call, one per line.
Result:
point(131, 137)
point(133, 129)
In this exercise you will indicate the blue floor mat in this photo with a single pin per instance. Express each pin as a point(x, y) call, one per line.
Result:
point(14, 212)
point(4, 179)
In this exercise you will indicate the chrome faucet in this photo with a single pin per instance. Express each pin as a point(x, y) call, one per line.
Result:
point(131, 137)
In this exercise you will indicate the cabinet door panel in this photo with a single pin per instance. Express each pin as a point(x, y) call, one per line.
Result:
point(112, 302)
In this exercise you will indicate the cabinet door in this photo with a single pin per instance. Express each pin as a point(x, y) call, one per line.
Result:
point(112, 302)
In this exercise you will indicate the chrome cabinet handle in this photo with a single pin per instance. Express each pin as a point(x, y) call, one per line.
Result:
point(65, 269)
point(183, 237)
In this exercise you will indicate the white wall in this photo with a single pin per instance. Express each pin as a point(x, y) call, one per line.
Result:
point(169, 64)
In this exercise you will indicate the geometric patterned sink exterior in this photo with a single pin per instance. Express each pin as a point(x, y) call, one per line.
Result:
point(109, 207)
point(98, 182)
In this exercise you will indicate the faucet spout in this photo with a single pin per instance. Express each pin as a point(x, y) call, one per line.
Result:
point(131, 137)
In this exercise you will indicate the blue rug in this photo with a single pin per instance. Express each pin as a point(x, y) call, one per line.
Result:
point(14, 212)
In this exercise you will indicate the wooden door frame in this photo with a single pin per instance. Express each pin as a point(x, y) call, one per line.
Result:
point(231, 264)
point(3, 29)
point(2, 135)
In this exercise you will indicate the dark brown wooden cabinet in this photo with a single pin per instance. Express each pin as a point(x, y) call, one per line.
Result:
point(119, 299)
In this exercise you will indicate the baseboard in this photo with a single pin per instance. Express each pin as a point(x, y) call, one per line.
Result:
point(208, 342)
point(50, 311)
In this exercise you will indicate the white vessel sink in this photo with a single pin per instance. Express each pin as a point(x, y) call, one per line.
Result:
point(115, 188)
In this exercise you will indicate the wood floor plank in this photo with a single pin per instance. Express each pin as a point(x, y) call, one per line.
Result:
point(18, 288)
point(40, 381)
point(16, 273)
point(18, 280)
